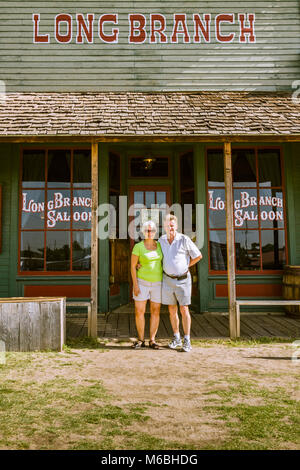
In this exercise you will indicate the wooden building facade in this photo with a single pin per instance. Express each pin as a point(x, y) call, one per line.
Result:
point(136, 105)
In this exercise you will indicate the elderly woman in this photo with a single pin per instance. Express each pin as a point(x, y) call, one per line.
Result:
point(147, 281)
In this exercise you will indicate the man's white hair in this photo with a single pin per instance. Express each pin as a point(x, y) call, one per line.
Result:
point(146, 225)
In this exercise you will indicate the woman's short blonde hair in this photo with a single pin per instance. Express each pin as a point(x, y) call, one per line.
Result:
point(146, 225)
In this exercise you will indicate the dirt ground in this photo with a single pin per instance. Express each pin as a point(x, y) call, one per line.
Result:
point(181, 387)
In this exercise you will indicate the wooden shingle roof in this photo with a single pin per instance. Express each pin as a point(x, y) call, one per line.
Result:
point(149, 114)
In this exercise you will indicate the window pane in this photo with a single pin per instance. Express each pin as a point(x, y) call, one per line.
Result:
point(245, 208)
point(82, 169)
point(81, 251)
point(33, 169)
point(216, 208)
point(215, 168)
point(59, 172)
point(59, 210)
point(243, 167)
point(269, 168)
point(58, 251)
point(150, 199)
point(138, 197)
point(187, 171)
point(273, 249)
point(149, 167)
point(218, 250)
point(161, 197)
point(247, 249)
point(33, 209)
point(32, 251)
point(82, 209)
point(114, 172)
point(271, 208)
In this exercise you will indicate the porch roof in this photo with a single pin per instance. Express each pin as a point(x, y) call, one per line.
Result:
point(172, 114)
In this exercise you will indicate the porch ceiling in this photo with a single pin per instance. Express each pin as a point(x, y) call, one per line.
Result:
point(170, 116)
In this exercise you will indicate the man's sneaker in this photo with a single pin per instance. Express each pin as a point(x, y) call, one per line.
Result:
point(186, 345)
point(176, 343)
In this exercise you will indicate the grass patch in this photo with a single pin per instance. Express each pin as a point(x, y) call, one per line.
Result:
point(61, 413)
point(84, 342)
point(272, 420)
point(241, 342)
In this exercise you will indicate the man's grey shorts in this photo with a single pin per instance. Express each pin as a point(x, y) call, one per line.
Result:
point(174, 291)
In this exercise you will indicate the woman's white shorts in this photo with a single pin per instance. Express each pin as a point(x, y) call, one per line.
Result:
point(149, 290)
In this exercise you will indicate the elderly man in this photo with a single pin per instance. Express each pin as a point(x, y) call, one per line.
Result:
point(180, 253)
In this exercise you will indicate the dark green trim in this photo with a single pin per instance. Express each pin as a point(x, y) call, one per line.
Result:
point(289, 153)
point(103, 260)
point(200, 198)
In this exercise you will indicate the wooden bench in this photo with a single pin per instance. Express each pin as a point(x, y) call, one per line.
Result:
point(89, 310)
point(265, 303)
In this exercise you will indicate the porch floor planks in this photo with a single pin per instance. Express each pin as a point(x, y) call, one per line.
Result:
point(294, 322)
point(215, 323)
point(162, 331)
point(122, 325)
point(253, 326)
point(280, 325)
point(268, 326)
point(75, 326)
point(205, 326)
point(101, 324)
point(165, 320)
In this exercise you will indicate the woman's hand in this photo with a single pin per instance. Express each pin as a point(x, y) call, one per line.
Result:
point(136, 290)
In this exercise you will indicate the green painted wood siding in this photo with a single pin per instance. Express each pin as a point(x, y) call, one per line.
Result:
point(296, 187)
point(272, 63)
point(5, 181)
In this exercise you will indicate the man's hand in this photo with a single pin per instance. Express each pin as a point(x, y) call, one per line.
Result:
point(195, 260)
point(138, 266)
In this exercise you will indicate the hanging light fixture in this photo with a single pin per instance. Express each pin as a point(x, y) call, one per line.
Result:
point(148, 160)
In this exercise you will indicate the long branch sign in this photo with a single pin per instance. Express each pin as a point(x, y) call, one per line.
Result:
point(152, 28)
point(58, 208)
point(246, 207)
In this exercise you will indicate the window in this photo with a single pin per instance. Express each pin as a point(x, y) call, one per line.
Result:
point(187, 192)
point(259, 216)
point(55, 214)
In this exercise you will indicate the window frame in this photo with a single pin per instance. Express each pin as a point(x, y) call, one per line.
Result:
point(260, 271)
point(70, 230)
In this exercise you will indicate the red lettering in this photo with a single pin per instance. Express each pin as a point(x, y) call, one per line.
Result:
point(205, 30)
point(64, 38)
point(140, 28)
point(160, 30)
point(83, 27)
point(224, 19)
point(115, 32)
point(39, 38)
point(180, 20)
point(247, 30)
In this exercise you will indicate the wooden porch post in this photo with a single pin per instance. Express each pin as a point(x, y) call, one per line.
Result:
point(233, 327)
point(92, 326)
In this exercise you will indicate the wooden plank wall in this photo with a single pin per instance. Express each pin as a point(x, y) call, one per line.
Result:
point(272, 63)
point(33, 326)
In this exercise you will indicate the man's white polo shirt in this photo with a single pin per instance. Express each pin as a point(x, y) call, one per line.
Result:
point(178, 254)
